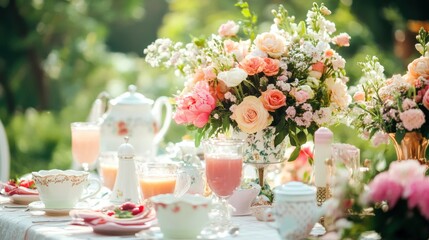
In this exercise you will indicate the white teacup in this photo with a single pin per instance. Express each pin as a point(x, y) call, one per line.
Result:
point(183, 217)
point(64, 188)
point(242, 198)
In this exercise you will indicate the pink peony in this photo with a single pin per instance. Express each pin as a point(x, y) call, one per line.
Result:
point(406, 171)
point(196, 106)
point(385, 188)
point(271, 67)
point(273, 99)
point(418, 195)
point(425, 100)
point(412, 119)
point(253, 65)
point(228, 29)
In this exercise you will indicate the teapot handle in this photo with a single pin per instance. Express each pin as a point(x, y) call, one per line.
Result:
point(156, 112)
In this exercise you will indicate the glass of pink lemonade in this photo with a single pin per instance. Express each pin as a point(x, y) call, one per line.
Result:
point(224, 163)
point(108, 168)
point(85, 143)
point(157, 178)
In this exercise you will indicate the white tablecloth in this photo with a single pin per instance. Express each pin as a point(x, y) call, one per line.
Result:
point(16, 224)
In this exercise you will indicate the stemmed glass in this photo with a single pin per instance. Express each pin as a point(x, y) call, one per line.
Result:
point(224, 163)
point(85, 143)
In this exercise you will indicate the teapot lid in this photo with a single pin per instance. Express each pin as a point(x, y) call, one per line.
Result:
point(295, 189)
point(131, 98)
point(126, 150)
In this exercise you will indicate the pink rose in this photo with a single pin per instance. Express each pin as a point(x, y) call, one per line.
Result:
point(359, 96)
point(385, 188)
point(342, 40)
point(412, 119)
point(195, 107)
point(273, 99)
point(228, 29)
point(301, 96)
point(271, 43)
point(271, 67)
point(253, 65)
point(251, 116)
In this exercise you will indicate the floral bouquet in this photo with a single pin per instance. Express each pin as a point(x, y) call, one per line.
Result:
point(399, 199)
point(399, 104)
point(288, 77)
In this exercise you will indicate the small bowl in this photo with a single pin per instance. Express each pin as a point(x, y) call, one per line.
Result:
point(262, 213)
point(181, 217)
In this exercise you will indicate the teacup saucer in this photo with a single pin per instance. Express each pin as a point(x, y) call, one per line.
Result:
point(40, 206)
point(24, 199)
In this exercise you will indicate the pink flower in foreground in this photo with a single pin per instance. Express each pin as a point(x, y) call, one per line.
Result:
point(412, 119)
point(406, 171)
point(273, 99)
point(228, 29)
point(385, 188)
point(196, 106)
point(418, 195)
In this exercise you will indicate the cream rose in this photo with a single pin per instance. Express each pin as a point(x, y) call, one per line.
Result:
point(338, 92)
point(228, 29)
point(271, 43)
point(233, 77)
point(251, 115)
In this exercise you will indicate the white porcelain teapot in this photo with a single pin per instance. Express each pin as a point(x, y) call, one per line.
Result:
point(295, 210)
point(132, 114)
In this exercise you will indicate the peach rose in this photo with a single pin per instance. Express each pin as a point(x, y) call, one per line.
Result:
point(252, 65)
point(418, 68)
point(342, 40)
point(251, 115)
point(316, 70)
point(228, 29)
point(271, 43)
point(273, 99)
point(359, 96)
point(271, 66)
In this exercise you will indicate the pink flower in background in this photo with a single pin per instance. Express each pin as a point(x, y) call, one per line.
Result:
point(301, 96)
point(342, 40)
point(406, 171)
point(253, 65)
point(195, 107)
point(228, 29)
point(412, 119)
point(425, 100)
point(385, 188)
point(273, 99)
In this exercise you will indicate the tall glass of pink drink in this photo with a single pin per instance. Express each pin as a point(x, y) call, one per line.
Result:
point(85, 143)
point(224, 161)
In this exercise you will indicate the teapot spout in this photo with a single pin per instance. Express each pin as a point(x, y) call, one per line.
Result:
point(99, 107)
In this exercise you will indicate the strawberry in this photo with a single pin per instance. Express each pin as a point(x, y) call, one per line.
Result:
point(27, 184)
point(128, 206)
point(136, 211)
point(110, 213)
point(9, 188)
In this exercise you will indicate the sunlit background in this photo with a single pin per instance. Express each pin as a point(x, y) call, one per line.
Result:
point(56, 56)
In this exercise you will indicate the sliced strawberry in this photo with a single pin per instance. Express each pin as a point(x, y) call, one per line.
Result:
point(136, 211)
point(128, 206)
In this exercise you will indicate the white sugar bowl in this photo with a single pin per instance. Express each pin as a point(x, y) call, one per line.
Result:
point(295, 210)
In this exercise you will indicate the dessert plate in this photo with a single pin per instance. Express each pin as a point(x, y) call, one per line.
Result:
point(111, 228)
point(40, 206)
point(24, 199)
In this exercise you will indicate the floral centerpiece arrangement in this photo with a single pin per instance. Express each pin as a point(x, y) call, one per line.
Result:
point(396, 203)
point(288, 78)
point(397, 105)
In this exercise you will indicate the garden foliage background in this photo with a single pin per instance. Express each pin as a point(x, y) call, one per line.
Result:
point(56, 56)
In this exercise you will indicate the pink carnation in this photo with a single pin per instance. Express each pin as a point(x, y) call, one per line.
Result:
point(301, 96)
point(196, 106)
point(385, 188)
point(412, 119)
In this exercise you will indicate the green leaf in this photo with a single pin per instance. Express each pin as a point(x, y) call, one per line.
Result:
point(293, 139)
point(399, 135)
point(294, 154)
point(302, 137)
point(279, 137)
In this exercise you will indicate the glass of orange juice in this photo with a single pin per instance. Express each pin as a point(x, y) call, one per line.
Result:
point(85, 138)
point(108, 168)
point(157, 178)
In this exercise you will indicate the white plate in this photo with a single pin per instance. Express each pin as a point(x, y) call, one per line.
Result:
point(40, 206)
point(24, 199)
point(111, 228)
